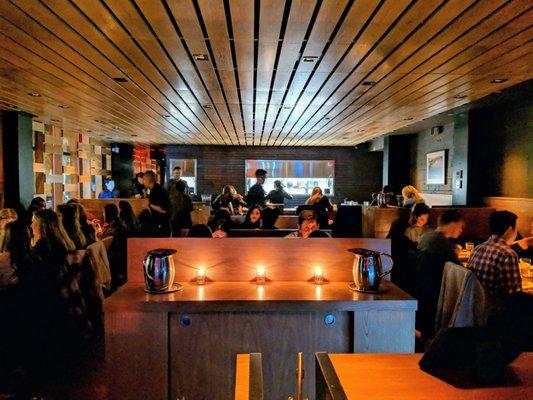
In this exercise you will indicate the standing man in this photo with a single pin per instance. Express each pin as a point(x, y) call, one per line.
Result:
point(176, 177)
point(495, 263)
point(158, 205)
point(256, 195)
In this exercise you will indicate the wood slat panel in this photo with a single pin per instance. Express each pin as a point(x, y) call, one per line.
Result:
point(254, 88)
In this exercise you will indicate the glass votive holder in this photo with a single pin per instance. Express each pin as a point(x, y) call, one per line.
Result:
point(318, 277)
point(260, 275)
point(200, 276)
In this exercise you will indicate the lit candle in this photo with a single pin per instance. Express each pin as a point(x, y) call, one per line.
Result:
point(200, 276)
point(261, 275)
point(319, 275)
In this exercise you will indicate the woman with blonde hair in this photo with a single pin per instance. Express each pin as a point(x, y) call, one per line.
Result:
point(49, 234)
point(411, 196)
point(317, 198)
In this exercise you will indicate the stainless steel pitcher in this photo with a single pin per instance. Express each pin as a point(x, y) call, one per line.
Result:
point(159, 270)
point(367, 270)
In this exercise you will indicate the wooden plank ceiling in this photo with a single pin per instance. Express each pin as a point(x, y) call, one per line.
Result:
point(263, 72)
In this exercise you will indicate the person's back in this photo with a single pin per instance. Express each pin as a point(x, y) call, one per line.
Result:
point(434, 250)
point(495, 263)
point(256, 195)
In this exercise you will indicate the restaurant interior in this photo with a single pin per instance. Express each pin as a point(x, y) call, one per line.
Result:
point(158, 156)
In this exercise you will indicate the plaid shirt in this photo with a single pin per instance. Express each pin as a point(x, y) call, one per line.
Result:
point(496, 266)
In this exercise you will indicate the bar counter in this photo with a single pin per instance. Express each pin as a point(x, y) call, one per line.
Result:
point(184, 344)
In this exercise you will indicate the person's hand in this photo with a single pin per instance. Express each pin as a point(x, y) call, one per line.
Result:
point(525, 243)
point(138, 196)
point(458, 249)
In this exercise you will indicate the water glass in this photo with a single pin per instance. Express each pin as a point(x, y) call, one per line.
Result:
point(525, 267)
point(469, 246)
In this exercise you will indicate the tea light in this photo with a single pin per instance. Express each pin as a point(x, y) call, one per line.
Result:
point(200, 276)
point(318, 278)
point(261, 275)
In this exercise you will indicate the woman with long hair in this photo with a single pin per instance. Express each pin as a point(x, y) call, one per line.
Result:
point(86, 227)
point(252, 219)
point(411, 196)
point(230, 200)
point(49, 231)
point(418, 220)
point(71, 222)
point(127, 216)
point(317, 198)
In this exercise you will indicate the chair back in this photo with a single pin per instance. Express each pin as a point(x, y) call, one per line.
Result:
point(462, 301)
point(107, 244)
point(100, 262)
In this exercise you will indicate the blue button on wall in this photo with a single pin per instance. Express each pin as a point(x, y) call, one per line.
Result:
point(329, 319)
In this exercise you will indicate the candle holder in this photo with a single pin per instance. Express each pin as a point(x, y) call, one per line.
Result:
point(200, 276)
point(318, 277)
point(260, 276)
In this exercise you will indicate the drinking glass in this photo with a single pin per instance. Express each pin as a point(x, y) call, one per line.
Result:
point(469, 246)
point(206, 198)
point(525, 267)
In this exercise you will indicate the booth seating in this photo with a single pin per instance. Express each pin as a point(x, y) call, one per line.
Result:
point(94, 208)
point(377, 221)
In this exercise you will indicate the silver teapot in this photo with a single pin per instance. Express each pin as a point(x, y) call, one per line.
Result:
point(367, 270)
point(159, 270)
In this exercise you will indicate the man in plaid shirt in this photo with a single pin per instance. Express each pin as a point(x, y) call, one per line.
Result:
point(495, 263)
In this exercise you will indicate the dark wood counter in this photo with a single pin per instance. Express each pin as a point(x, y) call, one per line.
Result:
point(170, 345)
point(158, 345)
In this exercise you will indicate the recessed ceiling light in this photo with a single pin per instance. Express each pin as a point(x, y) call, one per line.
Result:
point(134, 135)
point(460, 96)
point(115, 127)
point(34, 94)
point(98, 121)
point(360, 130)
point(200, 57)
point(120, 80)
point(327, 118)
point(369, 83)
point(499, 80)
point(450, 114)
point(309, 58)
point(62, 106)
point(408, 119)
point(206, 106)
point(166, 116)
point(287, 107)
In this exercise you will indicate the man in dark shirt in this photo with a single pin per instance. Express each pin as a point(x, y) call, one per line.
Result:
point(158, 205)
point(278, 195)
point(256, 194)
point(435, 249)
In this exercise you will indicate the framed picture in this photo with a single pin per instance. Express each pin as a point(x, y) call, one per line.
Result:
point(436, 168)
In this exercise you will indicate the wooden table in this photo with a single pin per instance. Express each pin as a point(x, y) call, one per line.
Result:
point(398, 377)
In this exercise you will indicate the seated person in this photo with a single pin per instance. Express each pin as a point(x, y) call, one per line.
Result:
point(434, 250)
point(317, 198)
point(524, 246)
point(319, 234)
point(109, 189)
point(386, 197)
point(278, 195)
point(220, 225)
point(230, 200)
point(494, 262)
point(269, 217)
point(307, 223)
point(418, 220)
point(252, 219)
point(411, 196)
point(200, 231)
